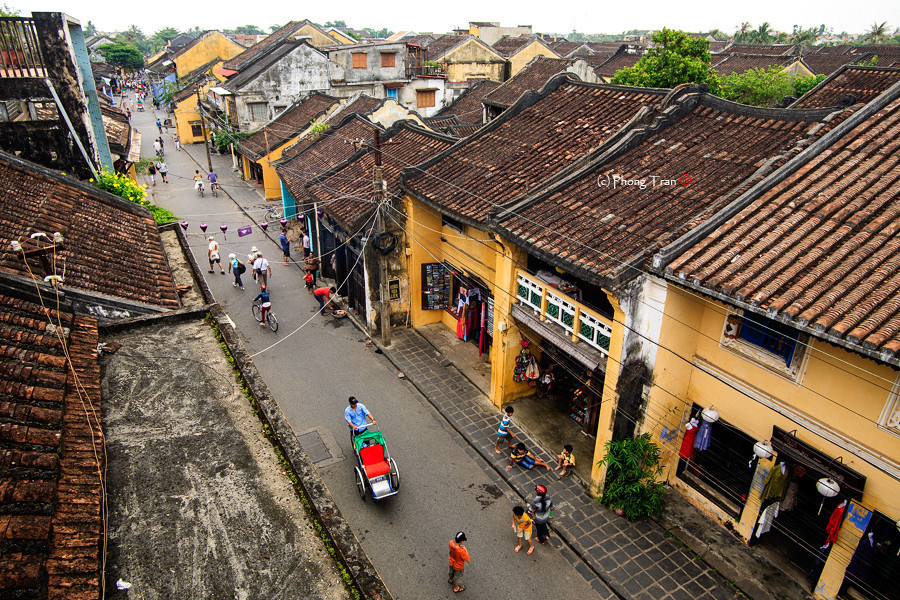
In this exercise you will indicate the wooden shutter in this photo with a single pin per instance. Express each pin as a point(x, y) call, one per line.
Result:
point(424, 98)
point(388, 59)
point(359, 60)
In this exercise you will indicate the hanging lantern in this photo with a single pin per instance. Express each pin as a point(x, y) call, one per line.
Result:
point(710, 414)
point(184, 225)
point(58, 238)
point(224, 228)
point(283, 222)
point(264, 225)
point(829, 488)
point(763, 449)
point(15, 245)
point(203, 227)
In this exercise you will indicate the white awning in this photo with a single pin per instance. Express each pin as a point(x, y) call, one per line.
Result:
point(220, 91)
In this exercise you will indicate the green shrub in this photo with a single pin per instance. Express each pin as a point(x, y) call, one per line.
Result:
point(125, 187)
point(632, 465)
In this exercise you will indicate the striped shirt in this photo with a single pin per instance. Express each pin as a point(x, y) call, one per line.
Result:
point(505, 422)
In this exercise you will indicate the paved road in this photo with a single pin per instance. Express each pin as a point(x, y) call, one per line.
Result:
point(313, 370)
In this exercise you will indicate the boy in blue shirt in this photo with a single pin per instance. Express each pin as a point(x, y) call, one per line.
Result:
point(503, 432)
point(356, 414)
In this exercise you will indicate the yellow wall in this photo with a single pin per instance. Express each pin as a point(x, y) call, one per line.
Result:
point(473, 60)
point(317, 37)
point(213, 45)
point(526, 54)
point(341, 38)
point(839, 393)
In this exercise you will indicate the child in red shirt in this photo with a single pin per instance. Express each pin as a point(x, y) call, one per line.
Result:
point(309, 282)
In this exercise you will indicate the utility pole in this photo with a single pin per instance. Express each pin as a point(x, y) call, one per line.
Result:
point(203, 129)
point(382, 259)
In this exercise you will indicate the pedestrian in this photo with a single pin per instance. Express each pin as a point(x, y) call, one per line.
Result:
point(159, 125)
point(565, 460)
point(356, 415)
point(459, 556)
point(521, 524)
point(285, 245)
point(323, 295)
point(212, 252)
point(177, 140)
point(263, 269)
point(237, 268)
point(163, 169)
point(305, 244)
point(157, 147)
point(251, 258)
point(309, 282)
point(312, 267)
point(151, 170)
point(162, 145)
point(540, 513)
point(503, 432)
point(128, 113)
point(521, 455)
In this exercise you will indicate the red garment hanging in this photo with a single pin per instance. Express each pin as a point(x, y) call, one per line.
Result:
point(834, 523)
point(687, 444)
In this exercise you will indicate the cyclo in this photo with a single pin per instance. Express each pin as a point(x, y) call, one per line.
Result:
point(376, 470)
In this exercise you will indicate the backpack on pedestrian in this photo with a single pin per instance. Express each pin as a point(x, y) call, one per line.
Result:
point(242, 268)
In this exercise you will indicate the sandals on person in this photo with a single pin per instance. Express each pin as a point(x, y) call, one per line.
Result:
point(458, 590)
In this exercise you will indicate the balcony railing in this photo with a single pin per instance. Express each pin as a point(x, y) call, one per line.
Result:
point(548, 303)
point(20, 53)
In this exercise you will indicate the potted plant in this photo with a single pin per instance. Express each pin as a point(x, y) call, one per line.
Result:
point(631, 489)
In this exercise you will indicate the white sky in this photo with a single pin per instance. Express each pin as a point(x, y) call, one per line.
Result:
point(586, 16)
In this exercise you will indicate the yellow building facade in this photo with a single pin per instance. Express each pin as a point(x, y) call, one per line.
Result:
point(473, 60)
point(210, 46)
point(521, 58)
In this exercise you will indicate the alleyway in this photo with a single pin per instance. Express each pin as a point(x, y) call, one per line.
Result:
point(439, 426)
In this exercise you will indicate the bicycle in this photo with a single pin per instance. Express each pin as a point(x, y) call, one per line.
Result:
point(274, 214)
point(199, 186)
point(271, 321)
point(214, 188)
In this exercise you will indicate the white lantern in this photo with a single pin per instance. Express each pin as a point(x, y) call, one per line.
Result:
point(829, 488)
point(710, 414)
point(763, 449)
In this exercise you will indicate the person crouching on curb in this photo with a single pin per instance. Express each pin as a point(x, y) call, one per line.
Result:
point(459, 556)
point(521, 455)
point(521, 524)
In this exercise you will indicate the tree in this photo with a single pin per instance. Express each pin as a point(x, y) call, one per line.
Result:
point(674, 59)
point(134, 36)
point(338, 23)
point(742, 34)
point(759, 87)
point(274, 28)
point(878, 34)
point(7, 11)
point(247, 29)
point(804, 84)
point(90, 29)
point(122, 55)
point(162, 37)
point(763, 33)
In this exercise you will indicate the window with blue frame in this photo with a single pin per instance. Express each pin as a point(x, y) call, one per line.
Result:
point(770, 335)
point(392, 93)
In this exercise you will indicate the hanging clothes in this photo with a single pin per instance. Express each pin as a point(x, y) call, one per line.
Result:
point(834, 523)
point(687, 444)
point(765, 519)
point(776, 483)
point(704, 436)
point(481, 334)
point(790, 497)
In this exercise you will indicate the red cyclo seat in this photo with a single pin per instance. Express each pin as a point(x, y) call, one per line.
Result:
point(372, 458)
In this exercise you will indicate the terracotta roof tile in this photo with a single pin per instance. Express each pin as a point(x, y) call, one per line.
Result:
point(821, 249)
point(288, 124)
point(533, 76)
point(525, 145)
point(619, 61)
point(592, 225)
point(347, 192)
point(565, 48)
point(467, 106)
point(740, 63)
point(50, 495)
point(99, 230)
point(250, 54)
point(862, 83)
point(826, 64)
point(316, 156)
point(361, 105)
point(441, 45)
point(465, 129)
point(769, 49)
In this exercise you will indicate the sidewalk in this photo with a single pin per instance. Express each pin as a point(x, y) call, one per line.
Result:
point(648, 560)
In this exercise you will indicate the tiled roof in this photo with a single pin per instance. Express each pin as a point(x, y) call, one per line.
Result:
point(878, 50)
point(604, 47)
point(467, 106)
point(360, 105)
point(441, 123)
point(112, 246)
point(510, 45)
point(313, 157)
point(287, 125)
point(820, 249)
point(839, 49)
point(715, 47)
point(194, 42)
point(252, 70)
point(740, 63)
point(826, 64)
point(592, 224)
point(768, 49)
point(533, 76)
point(852, 83)
point(50, 483)
point(531, 141)
point(347, 193)
point(441, 45)
point(619, 61)
point(463, 130)
point(424, 40)
point(564, 48)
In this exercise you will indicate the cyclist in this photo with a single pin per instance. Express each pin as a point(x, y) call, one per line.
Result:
point(198, 181)
point(265, 305)
point(213, 181)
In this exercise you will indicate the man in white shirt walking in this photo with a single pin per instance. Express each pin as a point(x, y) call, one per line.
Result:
point(262, 269)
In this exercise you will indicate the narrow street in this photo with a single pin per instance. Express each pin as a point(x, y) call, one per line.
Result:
point(313, 364)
